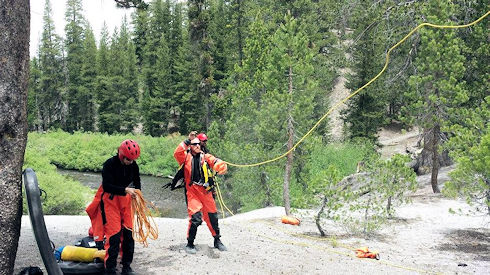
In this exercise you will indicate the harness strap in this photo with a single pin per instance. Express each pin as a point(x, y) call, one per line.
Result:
point(102, 209)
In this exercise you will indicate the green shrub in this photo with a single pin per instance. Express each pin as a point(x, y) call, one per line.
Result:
point(63, 195)
point(89, 151)
point(339, 157)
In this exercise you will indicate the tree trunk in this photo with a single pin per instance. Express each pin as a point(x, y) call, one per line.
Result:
point(289, 162)
point(319, 216)
point(388, 206)
point(424, 160)
point(435, 158)
point(487, 193)
point(268, 195)
point(239, 32)
point(366, 215)
point(14, 75)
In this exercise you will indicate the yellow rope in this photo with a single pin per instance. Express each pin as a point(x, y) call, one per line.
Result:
point(143, 224)
point(221, 202)
point(220, 199)
point(335, 106)
point(358, 90)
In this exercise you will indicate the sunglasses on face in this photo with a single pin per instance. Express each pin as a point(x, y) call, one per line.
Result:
point(195, 144)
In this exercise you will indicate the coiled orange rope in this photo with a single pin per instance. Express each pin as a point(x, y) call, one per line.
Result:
point(144, 225)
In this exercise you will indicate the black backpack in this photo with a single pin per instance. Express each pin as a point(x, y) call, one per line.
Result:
point(177, 181)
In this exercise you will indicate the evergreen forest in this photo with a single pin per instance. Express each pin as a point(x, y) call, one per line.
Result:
point(256, 75)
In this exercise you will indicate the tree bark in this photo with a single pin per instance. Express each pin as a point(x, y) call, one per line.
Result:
point(487, 193)
point(14, 74)
point(424, 160)
point(239, 32)
point(289, 162)
point(319, 216)
point(435, 158)
point(267, 189)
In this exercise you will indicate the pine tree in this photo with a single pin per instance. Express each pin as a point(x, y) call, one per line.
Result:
point(293, 57)
point(365, 113)
point(470, 147)
point(74, 59)
point(219, 31)
point(88, 75)
point(271, 105)
point(245, 125)
point(48, 99)
point(33, 116)
point(106, 114)
point(118, 82)
point(377, 27)
point(437, 87)
point(201, 48)
point(187, 105)
point(140, 31)
point(180, 69)
point(238, 19)
point(469, 141)
point(125, 77)
point(477, 69)
point(156, 71)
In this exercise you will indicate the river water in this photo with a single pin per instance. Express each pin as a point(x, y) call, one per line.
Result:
point(169, 203)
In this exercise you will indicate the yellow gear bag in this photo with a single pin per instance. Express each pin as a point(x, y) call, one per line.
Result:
point(81, 254)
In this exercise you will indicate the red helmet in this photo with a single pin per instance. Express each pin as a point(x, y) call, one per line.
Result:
point(129, 149)
point(202, 137)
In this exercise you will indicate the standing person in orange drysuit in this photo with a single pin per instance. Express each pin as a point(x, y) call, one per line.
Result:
point(200, 202)
point(110, 212)
point(203, 138)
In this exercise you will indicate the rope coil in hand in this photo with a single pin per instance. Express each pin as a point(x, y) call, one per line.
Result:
point(144, 225)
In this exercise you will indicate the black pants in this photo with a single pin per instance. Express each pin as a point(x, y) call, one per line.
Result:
point(196, 220)
point(127, 249)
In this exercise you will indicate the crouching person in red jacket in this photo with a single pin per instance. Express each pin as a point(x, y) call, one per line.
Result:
point(200, 203)
point(110, 212)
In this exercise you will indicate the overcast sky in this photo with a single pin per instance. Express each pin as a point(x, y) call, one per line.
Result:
point(96, 11)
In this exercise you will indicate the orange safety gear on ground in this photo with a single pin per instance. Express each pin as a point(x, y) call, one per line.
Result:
point(363, 252)
point(129, 149)
point(290, 220)
point(81, 254)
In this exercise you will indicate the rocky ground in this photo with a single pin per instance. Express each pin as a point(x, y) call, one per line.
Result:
point(423, 238)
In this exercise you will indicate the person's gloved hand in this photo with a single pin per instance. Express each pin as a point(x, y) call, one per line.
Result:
point(192, 135)
point(220, 167)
